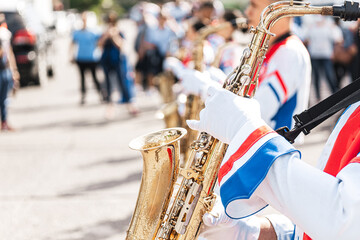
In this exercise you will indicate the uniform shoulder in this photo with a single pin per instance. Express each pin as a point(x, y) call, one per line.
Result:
point(293, 49)
point(295, 44)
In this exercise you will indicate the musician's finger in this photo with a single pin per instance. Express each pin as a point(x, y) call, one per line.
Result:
point(193, 124)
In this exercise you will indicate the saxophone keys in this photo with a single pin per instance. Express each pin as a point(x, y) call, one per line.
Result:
point(189, 174)
point(209, 202)
point(247, 51)
point(252, 30)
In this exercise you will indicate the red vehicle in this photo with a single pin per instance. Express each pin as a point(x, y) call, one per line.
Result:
point(26, 49)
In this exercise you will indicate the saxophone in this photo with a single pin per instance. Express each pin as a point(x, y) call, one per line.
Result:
point(194, 104)
point(169, 110)
point(182, 217)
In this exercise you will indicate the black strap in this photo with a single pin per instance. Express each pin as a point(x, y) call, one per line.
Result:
point(315, 115)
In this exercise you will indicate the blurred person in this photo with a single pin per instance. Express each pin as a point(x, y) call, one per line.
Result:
point(223, 35)
point(9, 75)
point(355, 62)
point(187, 44)
point(178, 9)
point(111, 42)
point(344, 52)
point(219, 8)
point(320, 36)
point(85, 56)
point(260, 168)
point(208, 10)
point(284, 77)
point(137, 13)
point(205, 12)
point(145, 15)
point(228, 54)
point(155, 48)
point(215, 45)
point(183, 58)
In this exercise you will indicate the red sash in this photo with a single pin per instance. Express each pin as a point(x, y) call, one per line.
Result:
point(346, 148)
point(273, 49)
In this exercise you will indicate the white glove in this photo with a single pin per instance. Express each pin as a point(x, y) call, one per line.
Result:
point(197, 83)
point(225, 114)
point(217, 225)
point(174, 65)
point(216, 74)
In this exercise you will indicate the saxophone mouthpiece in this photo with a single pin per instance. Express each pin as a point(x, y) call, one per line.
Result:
point(348, 12)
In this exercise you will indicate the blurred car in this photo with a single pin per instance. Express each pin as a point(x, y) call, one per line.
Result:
point(30, 50)
point(24, 47)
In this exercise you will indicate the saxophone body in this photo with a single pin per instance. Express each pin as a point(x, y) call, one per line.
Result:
point(207, 152)
point(193, 197)
point(169, 110)
point(165, 81)
point(161, 156)
point(194, 103)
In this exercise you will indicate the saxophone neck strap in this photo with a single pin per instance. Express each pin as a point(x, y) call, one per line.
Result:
point(312, 117)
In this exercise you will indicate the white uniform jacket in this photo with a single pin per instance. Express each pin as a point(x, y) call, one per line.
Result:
point(284, 82)
point(261, 167)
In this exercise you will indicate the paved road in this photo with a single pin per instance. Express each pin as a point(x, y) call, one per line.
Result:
point(67, 172)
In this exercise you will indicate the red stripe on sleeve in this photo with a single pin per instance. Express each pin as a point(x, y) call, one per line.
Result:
point(355, 160)
point(248, 143)
point(282, 83)
point(306, 237)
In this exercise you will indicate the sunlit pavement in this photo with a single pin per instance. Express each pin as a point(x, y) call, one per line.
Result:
point(67, 172)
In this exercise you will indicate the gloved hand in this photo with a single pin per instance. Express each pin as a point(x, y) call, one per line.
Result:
point(217, 225)
point(225, 114)
point(197, 83)
point(216, 74)
point(174, 65)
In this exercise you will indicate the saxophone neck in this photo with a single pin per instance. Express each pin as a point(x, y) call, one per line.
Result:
point(245, 81)
point(238, 23)
point(198, 54)
point(348, 12)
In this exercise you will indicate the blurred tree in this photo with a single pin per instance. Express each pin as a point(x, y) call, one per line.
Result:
point(123, 6)
point(83, 5)
point(237, 4)
point(126, 4)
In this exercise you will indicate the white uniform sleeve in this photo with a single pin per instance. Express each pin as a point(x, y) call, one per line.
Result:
point(325, 207)
point(175, 66)
point(262, 168)
point(283, 226)
point(216, 74)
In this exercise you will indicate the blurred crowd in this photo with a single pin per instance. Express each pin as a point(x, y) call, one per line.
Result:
point(163, 31)
point(167, 38)
point(333, 47)
point(90, 49)
point(170, 30)
point(196, 45)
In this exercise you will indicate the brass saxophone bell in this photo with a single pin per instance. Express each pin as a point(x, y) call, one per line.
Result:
point(161, 156)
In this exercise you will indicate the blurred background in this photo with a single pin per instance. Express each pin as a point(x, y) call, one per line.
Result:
point(66, 169)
